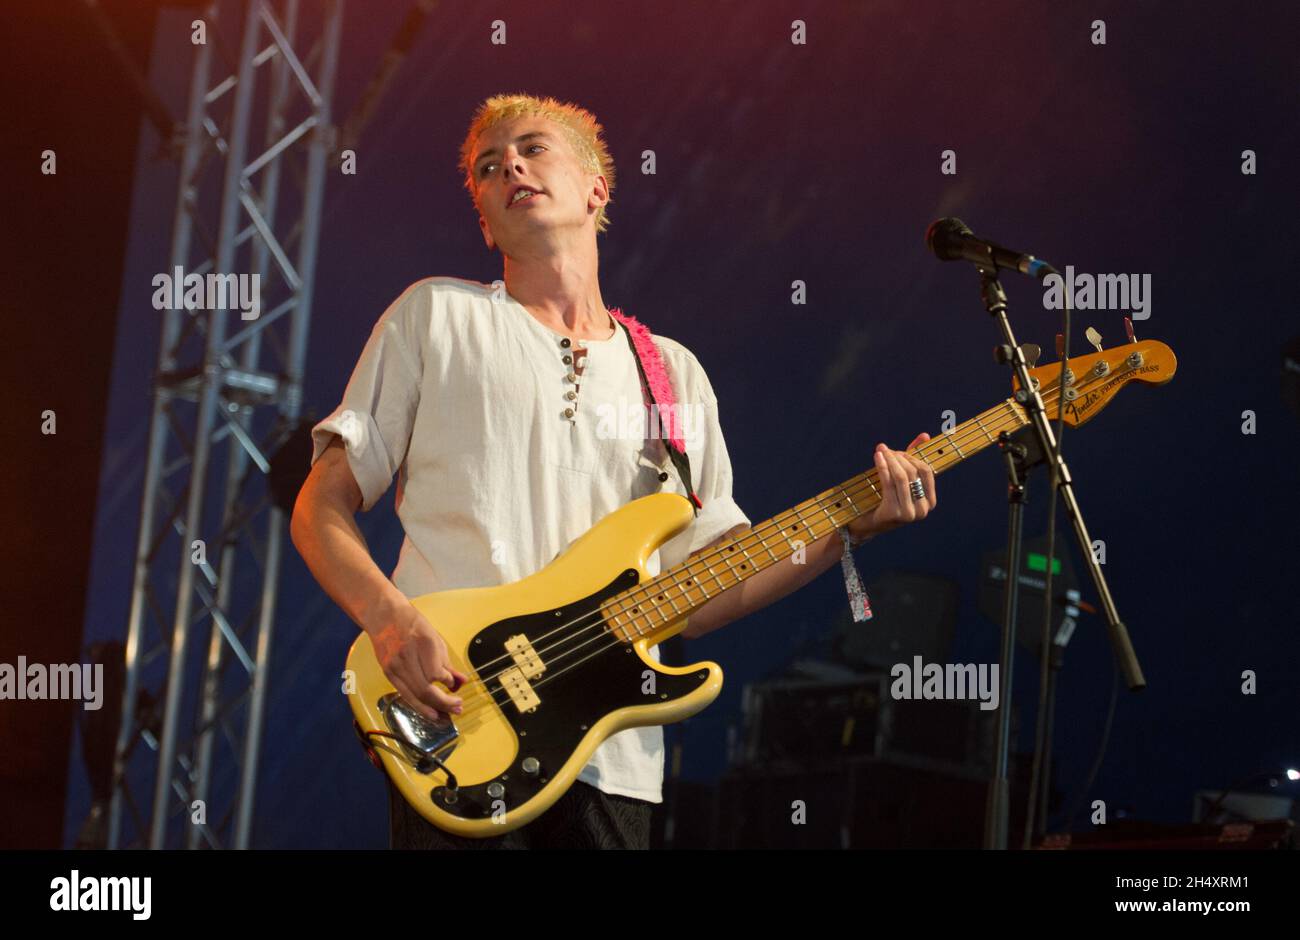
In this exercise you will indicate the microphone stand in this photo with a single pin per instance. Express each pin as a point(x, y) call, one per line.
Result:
point(1056, 662)
point(997, 805)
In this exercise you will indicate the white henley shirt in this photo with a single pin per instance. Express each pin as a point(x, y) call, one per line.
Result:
point(461, 393)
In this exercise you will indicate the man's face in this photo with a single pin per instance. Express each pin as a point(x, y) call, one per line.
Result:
point(531, 154)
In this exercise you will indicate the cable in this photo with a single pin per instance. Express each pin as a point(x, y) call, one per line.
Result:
point(1101, 751)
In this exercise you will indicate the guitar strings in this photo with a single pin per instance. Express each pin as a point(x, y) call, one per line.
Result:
point(971, 433)
point(1016, 422)
point(577, 647)
point(1009, 419)
point(1004, 422)
point(628, 600)
point(1012, 417)
point(814, 528)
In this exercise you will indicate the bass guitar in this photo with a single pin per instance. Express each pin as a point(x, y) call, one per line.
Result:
point(559, 661)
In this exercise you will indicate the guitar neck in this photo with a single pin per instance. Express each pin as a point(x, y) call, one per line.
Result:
point(657, 609)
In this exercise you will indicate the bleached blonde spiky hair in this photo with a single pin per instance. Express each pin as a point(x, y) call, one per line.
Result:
point(579, 125)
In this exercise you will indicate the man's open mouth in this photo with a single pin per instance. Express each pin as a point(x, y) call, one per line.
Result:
point(522, 195)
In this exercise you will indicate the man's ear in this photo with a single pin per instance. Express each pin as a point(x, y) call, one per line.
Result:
point(599, 193)
point(487, 234)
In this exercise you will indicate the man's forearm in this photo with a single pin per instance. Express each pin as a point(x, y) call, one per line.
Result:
point(331, 543)
point(769, 585)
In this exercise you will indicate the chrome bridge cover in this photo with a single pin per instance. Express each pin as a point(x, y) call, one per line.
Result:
point(419, 737)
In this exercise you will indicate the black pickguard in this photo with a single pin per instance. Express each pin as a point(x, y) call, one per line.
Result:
point(590, 673)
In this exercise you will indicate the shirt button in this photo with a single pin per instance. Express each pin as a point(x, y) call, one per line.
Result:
point(570, 396)
point(564, 343)
point(568, 412)
point(567, 360)
point(571, 377)
point(663, 477)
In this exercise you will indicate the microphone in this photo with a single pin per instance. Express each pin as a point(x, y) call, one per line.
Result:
point(952, 240)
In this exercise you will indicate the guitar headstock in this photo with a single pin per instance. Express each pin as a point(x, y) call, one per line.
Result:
point(1097, 376)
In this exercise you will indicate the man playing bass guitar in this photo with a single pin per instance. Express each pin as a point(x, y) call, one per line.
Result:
point(492, 406)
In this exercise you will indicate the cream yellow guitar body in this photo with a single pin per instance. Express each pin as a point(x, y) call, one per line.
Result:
point(488, 748)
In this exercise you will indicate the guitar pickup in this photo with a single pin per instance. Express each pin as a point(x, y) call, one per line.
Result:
point(519, 689)
point(525, 657)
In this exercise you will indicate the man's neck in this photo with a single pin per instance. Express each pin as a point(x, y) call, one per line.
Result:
point(561, 291)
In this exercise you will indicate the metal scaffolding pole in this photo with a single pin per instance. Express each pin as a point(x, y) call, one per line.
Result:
point(236, 387)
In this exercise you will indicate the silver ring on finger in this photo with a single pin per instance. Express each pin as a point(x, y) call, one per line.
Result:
point(917, 488)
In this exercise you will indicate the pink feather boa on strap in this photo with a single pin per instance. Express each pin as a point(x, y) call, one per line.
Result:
point(656, 375)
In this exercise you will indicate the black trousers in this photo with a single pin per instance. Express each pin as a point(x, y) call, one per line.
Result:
point(584, 818)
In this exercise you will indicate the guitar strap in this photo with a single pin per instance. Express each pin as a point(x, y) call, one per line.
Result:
point(659, 391)
point(662, 403)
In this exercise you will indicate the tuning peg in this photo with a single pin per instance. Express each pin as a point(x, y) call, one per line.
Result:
point(1128, 328)
point(1060, 346)
point(1093, 337)
point(1032, 351)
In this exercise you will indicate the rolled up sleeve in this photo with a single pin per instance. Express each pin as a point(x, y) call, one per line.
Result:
point(376, 416)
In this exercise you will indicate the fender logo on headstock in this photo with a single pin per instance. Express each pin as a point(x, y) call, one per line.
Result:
point(1079, 408)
